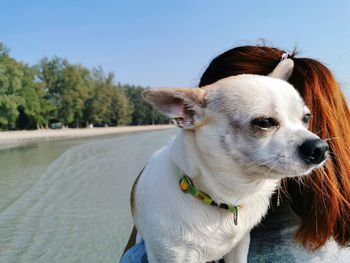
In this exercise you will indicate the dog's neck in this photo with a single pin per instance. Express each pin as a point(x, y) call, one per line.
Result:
point(213, 174)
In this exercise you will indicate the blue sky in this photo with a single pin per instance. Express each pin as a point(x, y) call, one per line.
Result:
point(169, 43)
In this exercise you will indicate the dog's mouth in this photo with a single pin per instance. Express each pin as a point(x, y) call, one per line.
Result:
point(293, 172)
point(282, 168)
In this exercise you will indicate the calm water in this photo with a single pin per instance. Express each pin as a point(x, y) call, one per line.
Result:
point(67, 201)
point(21, 167)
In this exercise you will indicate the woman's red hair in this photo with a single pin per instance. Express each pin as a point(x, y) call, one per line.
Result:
point(322, 200)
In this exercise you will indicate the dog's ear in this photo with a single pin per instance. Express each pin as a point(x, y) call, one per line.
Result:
point(184, 105)
point(283, 70)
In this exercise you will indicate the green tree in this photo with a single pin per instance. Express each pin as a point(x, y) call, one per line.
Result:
point(121, 108)
point(68, 88)
point(57, 91)
point(75, 91)
point(36, 110)
point(97, 106)
point(108, 104)
point(11, 74)
point(143, 112)
point(49, 74)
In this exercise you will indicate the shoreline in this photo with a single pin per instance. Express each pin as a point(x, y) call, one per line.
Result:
point(13, 139)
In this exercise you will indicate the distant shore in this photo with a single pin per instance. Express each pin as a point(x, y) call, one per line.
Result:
point(11, 139)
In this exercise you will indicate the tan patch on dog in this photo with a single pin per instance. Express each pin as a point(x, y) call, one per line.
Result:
point(196, 95)
point(162, 97)
point(203, 122)
point(132, 194)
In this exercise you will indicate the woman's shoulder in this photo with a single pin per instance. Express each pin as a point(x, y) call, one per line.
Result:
point(273, 241)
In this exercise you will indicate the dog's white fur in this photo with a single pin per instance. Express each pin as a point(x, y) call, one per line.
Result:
point(227, 158)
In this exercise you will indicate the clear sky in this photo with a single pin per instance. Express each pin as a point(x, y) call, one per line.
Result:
point(169, 43)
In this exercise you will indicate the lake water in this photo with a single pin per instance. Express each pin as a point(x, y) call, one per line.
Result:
point(68, 200)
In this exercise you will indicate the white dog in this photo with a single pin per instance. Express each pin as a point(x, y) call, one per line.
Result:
point(198, 198)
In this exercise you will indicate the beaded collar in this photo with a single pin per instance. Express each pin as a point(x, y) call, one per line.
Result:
point(187, 186)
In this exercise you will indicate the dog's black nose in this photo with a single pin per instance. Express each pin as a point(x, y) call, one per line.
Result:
point(313, 151)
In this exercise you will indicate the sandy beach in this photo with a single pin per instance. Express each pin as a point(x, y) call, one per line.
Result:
point(10, 139)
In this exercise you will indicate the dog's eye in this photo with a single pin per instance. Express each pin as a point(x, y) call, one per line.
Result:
point(264, 123)
point(306, 118)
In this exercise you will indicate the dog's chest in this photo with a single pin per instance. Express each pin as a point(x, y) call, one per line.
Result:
point(218, 238)
point(218, 234)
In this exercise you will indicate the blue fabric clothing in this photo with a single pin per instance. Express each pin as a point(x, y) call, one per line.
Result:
point(136, 254)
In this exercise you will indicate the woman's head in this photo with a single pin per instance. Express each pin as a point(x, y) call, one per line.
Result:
point(323, 199)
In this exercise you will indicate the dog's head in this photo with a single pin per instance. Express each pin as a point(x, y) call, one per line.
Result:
point(258, 123)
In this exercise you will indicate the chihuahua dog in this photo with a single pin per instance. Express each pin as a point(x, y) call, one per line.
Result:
point(198, 198)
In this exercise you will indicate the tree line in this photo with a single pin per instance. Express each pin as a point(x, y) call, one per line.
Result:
point(57, 91)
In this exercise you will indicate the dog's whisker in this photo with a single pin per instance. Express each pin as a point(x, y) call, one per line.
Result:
point(331, 138)
point(318, 132)
point(272, 166)
point(300, 181)
point(284, 190)
point(255, 164)
point(331, 157)
point(263, 163)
